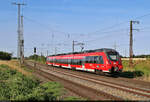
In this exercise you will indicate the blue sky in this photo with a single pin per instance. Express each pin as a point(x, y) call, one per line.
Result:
point(97, 23)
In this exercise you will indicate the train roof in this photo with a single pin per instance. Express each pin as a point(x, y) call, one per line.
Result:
point(88, 51)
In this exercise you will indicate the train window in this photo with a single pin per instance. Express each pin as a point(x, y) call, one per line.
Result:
point(101, 60)
point(55, 60)
point(65, 61)
point(96, 59)
point(91, 59)
point(59, 60)
point(80, 61)
point(77, 61)
point(87, 59)
point(52, 60)
point(73, 61)
point(69, 61)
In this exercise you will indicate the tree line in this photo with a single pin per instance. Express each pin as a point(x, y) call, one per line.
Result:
point(5, 55)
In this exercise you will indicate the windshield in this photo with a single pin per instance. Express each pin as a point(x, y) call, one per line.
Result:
point(113, 56)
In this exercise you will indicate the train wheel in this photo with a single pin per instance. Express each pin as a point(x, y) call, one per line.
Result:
point(99, 72)
point(73, 68)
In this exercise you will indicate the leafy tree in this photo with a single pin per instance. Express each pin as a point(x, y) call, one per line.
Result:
point(5, 55)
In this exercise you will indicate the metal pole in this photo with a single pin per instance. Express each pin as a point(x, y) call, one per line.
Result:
point(35, 56)
point(19, 32)
point(47, 52)
point(18, 56)
point(55, 50)
point(73, 46)
point(22, 42)
point(131, 45)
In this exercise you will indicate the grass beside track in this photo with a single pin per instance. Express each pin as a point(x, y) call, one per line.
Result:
point(18, 84)
point(139, 70)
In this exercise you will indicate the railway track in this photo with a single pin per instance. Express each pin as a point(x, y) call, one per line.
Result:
point(76, 88)
point(115, 89)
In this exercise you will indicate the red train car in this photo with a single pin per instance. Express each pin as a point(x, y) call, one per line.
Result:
point(100, 60)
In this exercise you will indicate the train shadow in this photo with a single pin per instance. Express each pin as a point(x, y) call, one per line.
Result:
point(124, 74)
point(128, 74)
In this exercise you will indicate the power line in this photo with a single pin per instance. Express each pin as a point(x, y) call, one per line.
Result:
point(108, 34)
point(45, 26)
point(116, 25)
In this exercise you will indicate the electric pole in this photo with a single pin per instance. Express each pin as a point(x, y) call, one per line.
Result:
point(35, 56)
point(47, 52)
point(81, 45)
point(55, 50)
point(115, 45)
point(125, 52)
point(73, 46)
point(20, 41)
point(131, 42)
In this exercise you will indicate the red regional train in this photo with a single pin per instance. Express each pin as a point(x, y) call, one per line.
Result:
point(98, 61)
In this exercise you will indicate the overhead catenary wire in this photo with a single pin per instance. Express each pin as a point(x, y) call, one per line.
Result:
point(107, 34)
point(101, 31)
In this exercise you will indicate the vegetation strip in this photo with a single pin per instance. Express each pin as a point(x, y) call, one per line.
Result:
point(92, 93)
point(16, 86)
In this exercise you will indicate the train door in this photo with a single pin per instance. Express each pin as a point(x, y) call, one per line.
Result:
point(83, 64)
point(101, 63)
point(86, 62)
point(89, 65)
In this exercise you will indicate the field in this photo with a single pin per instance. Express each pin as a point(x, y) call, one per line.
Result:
point(140, 70)
point(17, 83)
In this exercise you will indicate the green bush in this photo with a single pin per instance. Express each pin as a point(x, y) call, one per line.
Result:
point(16, 86)
point(5, 56)
point(5, 72)
point(38, 58)
point(140, 68)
